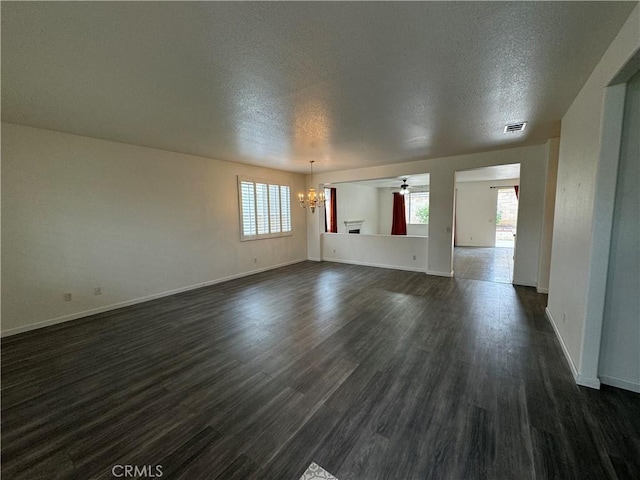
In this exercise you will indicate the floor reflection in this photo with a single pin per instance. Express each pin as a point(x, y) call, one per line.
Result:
point(480, 263)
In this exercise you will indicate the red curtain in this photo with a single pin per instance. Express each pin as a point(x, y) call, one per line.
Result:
point(333, 228)
point(331, 212)
point(399, 225)
point(515, 187)
point(326, 212)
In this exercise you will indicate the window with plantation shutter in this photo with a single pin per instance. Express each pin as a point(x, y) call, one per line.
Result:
point(248, 208)
point(285, 206)
point(265, 209)
point(262, 207)
point(274, 209)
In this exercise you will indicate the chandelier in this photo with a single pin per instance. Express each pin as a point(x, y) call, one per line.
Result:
point(312, 200)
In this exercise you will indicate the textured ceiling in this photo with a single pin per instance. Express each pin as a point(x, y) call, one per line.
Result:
point(278, 84)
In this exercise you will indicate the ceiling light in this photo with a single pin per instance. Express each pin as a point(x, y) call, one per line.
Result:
point(404, 188)
point(312, 200)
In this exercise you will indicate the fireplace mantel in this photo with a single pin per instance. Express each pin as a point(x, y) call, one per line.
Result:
point(353, 226)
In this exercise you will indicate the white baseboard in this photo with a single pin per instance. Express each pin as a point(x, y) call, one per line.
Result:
point(314, 259)
point(475, 245)
point(440, 274)
point(126, 303)
point(524, 284)
point(377, 265)
point(620, 383)
point(591, 382)
point(572, 366)
point(542, 290)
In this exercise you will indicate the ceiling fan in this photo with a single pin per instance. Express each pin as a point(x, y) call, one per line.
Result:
point(404, 188)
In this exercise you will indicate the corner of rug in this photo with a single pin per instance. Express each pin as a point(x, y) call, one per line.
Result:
point(316, 472)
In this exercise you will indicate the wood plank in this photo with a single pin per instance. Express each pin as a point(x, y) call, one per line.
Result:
point(370, 373)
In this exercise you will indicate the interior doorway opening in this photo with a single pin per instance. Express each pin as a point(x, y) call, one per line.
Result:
point(486, 220)
point(506, 217)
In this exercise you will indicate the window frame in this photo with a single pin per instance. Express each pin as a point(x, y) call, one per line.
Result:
point(283, 223)
point(407, 200)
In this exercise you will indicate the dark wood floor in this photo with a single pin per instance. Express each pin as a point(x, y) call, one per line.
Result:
point(370, 373)
point(484, 263)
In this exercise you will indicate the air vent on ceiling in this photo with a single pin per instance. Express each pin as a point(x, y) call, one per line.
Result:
point(514, 127)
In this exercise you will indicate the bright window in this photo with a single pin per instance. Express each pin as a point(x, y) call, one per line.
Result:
point(416, 205)
point(265, 209)
point(285, 207)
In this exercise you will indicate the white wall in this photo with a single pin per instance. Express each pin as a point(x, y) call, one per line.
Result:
point(385, 211)
point(620, 349)
point(79, 213)
point(553, 146)
point(532, 189)
point(417, 230)
point(388, 251)
point(385, 216)
point(357, 202)
point(580, 148)
point(476, 212)
point(533, 177)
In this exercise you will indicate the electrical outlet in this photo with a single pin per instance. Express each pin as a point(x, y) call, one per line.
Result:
point(414, 257)
point(97, 291)
point(564, 317)
point(255, 260)
point(66, 297)
point(334, 250)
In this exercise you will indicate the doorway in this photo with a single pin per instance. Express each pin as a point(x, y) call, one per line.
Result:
point(486, 213)
point(506, 217)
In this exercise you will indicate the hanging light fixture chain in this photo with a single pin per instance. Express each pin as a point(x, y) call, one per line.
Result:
point(312, 200)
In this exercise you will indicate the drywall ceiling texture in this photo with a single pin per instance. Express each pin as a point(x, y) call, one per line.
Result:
point(349, 84)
